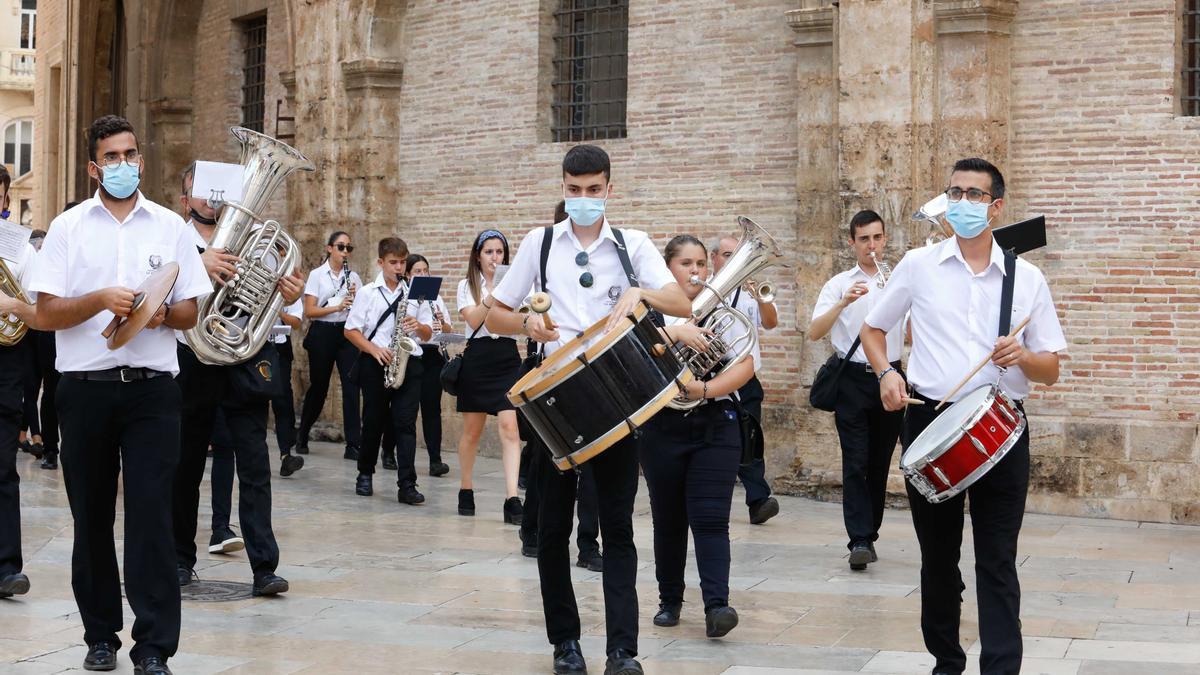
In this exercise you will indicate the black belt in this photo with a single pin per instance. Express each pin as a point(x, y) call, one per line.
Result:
point(855, 366)
point(118, 374)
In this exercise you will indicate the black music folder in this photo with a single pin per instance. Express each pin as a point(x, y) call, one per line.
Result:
point(1022, 237)
point(424, 289)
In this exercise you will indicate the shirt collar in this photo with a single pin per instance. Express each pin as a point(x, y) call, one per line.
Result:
point(96, 203)
point(950, 248)
point(857, 271)
point(565, 228)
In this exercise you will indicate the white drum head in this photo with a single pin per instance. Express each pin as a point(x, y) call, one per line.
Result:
point(944, 427)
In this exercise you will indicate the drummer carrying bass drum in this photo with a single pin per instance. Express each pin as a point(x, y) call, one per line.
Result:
point(587, 280)
point(953, 290)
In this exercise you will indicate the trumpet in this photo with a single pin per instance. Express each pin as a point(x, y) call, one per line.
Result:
point(762, 291)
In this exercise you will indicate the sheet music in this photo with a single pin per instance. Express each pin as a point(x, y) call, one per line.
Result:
point(218, 181)
point(13, 238)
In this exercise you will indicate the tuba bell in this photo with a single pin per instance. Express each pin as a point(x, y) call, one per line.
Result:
point(756, 251)
point(933, 212)
point(12, 329)
point(236, 320)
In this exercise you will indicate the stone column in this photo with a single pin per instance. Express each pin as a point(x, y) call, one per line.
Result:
point(369, 159)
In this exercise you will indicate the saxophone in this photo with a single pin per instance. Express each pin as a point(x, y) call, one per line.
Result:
point(402, 348)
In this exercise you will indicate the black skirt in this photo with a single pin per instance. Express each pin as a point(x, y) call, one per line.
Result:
point(490, 367)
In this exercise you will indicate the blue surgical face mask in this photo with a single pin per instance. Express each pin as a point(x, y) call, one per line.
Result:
point(585, 211)
point(967, 219)
point(120, 181)
point(5, 214)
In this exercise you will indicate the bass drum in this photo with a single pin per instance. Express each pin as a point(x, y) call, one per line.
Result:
point(600, 387)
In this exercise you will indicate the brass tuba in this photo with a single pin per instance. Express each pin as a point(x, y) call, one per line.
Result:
point(12, 329)
point(236, 320)
point(756, 251)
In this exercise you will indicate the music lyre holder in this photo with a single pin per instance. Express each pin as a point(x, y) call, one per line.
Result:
point(1027, 235)
point(424, 289)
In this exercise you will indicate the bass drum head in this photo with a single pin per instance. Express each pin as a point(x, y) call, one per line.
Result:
point(945, 428)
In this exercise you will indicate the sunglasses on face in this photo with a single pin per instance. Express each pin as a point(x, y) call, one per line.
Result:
point(344, 248)
point(586, 279)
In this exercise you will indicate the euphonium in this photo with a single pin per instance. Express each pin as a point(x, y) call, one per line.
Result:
point(932, 212)
point(12, 329)
point(756, 251)
point(402, 347)
point(235, 321)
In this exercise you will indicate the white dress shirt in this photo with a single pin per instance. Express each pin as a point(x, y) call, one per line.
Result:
point(955, 317)
point(465, 301)
point(372, 301)
point(573, 307)
point(849, 323)
point(22, 271)
point(295, 309)
point(437, 302)
point(324, 283)
point(746, 304)
point(87, 249)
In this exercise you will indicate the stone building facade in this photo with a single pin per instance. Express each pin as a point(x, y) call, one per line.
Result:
point(432, 119)
point(18, 20)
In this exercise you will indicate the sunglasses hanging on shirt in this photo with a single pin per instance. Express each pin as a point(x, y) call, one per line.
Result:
point(585, 279)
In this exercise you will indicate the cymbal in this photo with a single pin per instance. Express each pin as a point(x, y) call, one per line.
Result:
point(151, 295)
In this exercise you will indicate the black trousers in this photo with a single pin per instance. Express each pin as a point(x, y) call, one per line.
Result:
point(284, 403)
point(587, 533)
point(109, 428)
point(690, 461)
point(997, 503)
point(753, 475)
point(431, 401)
point(327, 345)
point(397, 406)
point(46, 351)
point(868, 436)
point(31, 382)
point(12, 389)
point(223, 468)
point(205, 389)
point(616, 473)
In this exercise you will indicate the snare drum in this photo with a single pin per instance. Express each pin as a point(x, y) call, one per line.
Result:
point(599, 388)
point(962, 444)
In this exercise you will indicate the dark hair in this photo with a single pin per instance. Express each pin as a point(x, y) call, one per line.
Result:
point(5, 177)
point(977, 165)
point(414, 258)
point(332, 238)
point(70, 205)
point(560, 212)
point(103, 127)
point(189, 172)
point(582, 160)
point(862, 218)
point(393, 246)
point(37, 234)
point(474, 271)
point(679, 241)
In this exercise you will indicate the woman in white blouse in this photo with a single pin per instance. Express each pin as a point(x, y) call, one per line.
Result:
point(328, 295)
point(491, 365)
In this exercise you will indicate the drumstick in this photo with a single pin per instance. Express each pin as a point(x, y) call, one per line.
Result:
point(980, 366)
point(540, 303)
point(912, 401)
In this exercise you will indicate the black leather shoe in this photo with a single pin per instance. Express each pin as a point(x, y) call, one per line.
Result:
point(37, 450)
point(290, 464)
point(668, 614)
point(409, 495)
point(512, 510)
point(718, 621)
point(363, 486)
point(302, 449)
point(621, 662)
point(593, 561)
point(151, 665)
point(269, 584)
point(101, 656)
point(860, 555)
point(186, 576)
point(568, 658)
point(528, 544)
point(50, 460)
point(764, 510)
point(14, 584)
point(466, 502)
point(351, 453)
point(438, 469)
point(389, 462)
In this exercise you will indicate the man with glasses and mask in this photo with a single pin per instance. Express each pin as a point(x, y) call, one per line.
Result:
point(587, 282)
point(953, 290)
point(119, 408)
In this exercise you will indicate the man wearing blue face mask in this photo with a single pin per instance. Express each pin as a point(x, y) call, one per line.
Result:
point(955, 292)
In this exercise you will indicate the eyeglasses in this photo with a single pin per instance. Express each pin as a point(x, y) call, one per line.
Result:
point(586, 279)
point(344, 248)
point(974, 195)
point(112, 160)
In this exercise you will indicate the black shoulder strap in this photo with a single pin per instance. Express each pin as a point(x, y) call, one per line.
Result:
point(547, 240)
point(737, 295)
point(623, 254)
point(1006, 293)
point(390, 311)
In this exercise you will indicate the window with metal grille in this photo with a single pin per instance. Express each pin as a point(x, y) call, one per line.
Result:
point(591, 40)
point(28, 24)
point(254, 72)
point(1191, 58)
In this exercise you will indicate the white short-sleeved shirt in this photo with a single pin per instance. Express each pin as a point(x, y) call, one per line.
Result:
point(437, 302)
point(87, 249)
point(465, 300)
point(849, 323)
point(199, 242)
point(955, 317)
point(22, 271)
point(372, 301)
point(324, 283)
point(573, 307)
point(746, 304)
point(295, 309)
